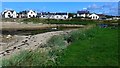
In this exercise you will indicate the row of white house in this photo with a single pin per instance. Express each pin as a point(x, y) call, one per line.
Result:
point(48, 15)
point(31, 14)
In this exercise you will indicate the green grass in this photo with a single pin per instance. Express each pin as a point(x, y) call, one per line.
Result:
point(89, 47)
point(99, 48)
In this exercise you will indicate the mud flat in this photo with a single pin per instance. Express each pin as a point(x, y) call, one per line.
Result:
point(30, 42)
point(19, 26)
point(16, 43)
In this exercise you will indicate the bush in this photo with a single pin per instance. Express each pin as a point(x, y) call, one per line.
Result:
point(81, 34)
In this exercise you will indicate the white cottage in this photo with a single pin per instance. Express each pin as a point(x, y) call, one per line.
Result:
point(83, 13)
point(31, 14)
point(27, 14)
point(48, 15)
point(94, 16)
point(9, 14)
point(61, 16)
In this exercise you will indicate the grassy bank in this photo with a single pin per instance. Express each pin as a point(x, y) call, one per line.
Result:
point(98, 48)
point(45, 55)
point(87, 47)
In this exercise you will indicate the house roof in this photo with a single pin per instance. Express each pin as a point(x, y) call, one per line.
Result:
point(61, 14)
point(100, 14)
point(83, 12)
point(25, 12)
point(7, 11)
point(49, 13)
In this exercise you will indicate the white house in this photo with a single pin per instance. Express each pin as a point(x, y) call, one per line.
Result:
point(14, 14)
point(44, 15)
point(9, 14)
point(94, 16)
point(31, 14)
point(27, 14)
point(83, 13)
point(116, 18)
point(61, 16)
point(48, 15)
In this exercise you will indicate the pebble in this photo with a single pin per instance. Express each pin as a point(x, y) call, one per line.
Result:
point(18, 48)
point(14, 47)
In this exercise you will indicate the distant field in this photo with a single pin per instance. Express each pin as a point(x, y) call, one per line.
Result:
point(54, 21)
point(50, 21)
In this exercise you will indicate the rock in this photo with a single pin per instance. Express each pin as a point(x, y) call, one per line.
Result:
point(8, 36)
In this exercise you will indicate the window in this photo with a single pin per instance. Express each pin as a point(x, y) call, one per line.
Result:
point(33, 15)
point(9, 16)
point(65, 18)
point(29, 15)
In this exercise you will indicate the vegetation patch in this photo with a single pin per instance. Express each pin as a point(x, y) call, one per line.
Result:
point(87, 47)
point(98, 47)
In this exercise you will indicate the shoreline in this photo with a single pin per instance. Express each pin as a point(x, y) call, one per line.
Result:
point(30, 42)
point(18, 26)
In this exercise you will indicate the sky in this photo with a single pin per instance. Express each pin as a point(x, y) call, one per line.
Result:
point(110, 8)
point(59, 0)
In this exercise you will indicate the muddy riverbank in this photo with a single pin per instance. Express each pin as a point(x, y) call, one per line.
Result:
point(29, 36)
point(30, 42)
point(18, 26)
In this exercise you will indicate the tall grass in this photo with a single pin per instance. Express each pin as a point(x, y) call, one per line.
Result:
point(42, 56)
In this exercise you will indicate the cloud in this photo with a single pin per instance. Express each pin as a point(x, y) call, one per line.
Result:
point(104, 9)
point(84, 8)
point(106, 5)
point(94, 7)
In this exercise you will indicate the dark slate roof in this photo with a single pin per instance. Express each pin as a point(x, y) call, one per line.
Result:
point(38, 13)
point(100, 14)
point(61, 13)
point(23, 12)
point(7, 11)
point(44, 13)
point(83, 12)
point(49, 13)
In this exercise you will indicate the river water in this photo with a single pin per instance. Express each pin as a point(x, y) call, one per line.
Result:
point(32, 31)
